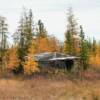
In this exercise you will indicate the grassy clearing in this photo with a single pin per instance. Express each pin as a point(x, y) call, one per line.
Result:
point(40, 87)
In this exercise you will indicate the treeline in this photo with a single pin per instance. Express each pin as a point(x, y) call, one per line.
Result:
point(76, 43)
point(31, 38)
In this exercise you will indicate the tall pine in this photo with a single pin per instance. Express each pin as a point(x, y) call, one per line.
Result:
point(84, 56)
point(25, 35)
point(71, 45)
point(3, 44)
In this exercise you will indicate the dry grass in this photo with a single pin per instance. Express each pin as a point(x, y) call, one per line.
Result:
point(48, 88)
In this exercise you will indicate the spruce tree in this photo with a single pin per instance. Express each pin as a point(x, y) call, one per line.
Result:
point(41, 31)
point(25, 36)
point(70, 40)
point(3, 46)
point(94, 47)
point(68, 43)
point(83, 50)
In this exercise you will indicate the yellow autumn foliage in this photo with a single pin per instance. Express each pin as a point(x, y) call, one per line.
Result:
point(30, 66)
point(95, 58)
point(65, 48)
point(12, 58)
point(47, 44)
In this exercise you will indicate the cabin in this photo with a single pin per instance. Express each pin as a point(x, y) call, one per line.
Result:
point(56, 60)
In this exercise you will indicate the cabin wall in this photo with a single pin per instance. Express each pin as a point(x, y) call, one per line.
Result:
point(63, 64)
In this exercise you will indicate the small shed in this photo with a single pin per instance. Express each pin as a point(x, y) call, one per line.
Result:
point(57, 60)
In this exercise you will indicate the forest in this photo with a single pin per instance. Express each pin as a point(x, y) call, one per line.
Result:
point(30, 38)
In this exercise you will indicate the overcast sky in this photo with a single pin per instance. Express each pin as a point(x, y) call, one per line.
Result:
point(53, 14)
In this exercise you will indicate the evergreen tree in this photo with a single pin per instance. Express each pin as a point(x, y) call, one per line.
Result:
point(72, 24)
point(25, 35)
point(42, 38)
point(83, 50)
point(89, 43)
point(41, 31)
point(3, 46)
point(68, 43)
point(71, 41)
point(94, 47)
